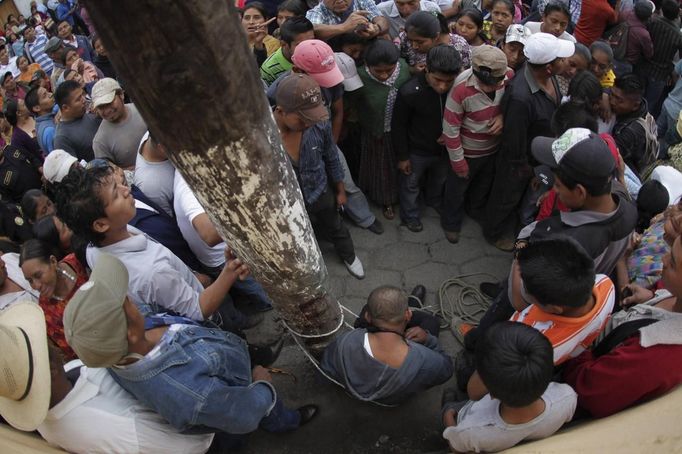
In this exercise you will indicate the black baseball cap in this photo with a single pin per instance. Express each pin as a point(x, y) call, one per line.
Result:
point(579, 153)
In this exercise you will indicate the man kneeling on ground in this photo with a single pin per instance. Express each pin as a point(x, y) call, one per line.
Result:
point(383, 362)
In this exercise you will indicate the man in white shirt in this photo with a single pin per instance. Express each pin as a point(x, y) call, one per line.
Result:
point(8, 63)
point(154, 173)
point(397, 12)
point(93, 413)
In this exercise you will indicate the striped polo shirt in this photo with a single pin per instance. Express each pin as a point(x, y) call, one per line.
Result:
point(37, 51)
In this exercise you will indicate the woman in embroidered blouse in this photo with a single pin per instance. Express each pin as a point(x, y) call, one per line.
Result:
point(57, 281)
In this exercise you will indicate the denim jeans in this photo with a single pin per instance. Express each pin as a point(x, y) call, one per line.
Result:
point(435, 168)
point(201, 378)
point(667, 132)
point(357, 207)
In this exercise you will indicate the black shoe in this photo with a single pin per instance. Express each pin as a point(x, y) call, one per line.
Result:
point(265, 356)
point(414, 225)
point(491, 289)
point(376, 227)
point(417, 296)
point(308, 412)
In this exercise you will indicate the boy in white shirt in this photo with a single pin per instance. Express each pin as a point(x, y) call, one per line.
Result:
point(514, 369)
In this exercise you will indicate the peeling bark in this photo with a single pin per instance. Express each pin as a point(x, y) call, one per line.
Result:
point(191, 75)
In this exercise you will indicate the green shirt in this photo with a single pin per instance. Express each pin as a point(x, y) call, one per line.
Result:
point(274, 66)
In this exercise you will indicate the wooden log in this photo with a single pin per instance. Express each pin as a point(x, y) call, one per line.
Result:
point(187, 67)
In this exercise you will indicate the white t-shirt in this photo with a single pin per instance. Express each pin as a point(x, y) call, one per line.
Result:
point(155, 179)
point(481, 428)
point(10, 66)
point(534, 28)
point(99, 416)
point(187, 208)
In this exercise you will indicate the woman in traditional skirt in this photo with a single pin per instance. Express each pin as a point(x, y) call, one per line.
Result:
point(382, 74)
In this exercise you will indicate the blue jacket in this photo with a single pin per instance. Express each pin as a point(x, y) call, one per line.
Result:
point(367, 379)
point(200, 378)
point(45, 127)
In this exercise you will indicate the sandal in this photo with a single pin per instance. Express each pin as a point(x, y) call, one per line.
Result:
point(389, 213)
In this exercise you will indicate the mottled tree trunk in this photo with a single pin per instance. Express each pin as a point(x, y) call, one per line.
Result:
point(187, 67)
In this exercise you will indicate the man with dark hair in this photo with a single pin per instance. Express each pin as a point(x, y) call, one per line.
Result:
point(639, 45)
point(472, 127)
point(79, 42)
point(555, 290)
point(397, 12)
point(35, 48)
point(122, 126)
point(528, 105)
point(302, 119)
point(656, 71)
point(416, 132)
point(632, 130)
point(335, 17)
point(196, 377)
point(513, 398)
point(54, 49)
point(77, 128)
point(292, 33)
point(383, 360)
point(40, 103)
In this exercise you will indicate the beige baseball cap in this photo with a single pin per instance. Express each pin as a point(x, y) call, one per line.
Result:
point(104, 91)
point(24, 366)
point(95, 323)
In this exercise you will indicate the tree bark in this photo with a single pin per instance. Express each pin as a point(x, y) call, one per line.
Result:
point(187, 67)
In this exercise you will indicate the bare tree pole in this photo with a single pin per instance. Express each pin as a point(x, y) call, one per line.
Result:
point(187, 66)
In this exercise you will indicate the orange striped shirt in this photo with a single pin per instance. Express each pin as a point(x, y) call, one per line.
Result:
point(570, 336)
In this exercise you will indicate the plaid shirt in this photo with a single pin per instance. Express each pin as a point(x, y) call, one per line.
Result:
point(318, 162)
point(321, 15)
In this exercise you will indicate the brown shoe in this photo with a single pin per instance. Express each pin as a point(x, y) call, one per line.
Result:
point(389, 213)
point(452, 237)
point(505, 244)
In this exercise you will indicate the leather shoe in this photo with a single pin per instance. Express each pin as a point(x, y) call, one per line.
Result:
point(308, 412)
point(376, 227)
point(418, 295)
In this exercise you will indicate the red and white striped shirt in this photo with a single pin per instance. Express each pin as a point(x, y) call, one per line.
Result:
point(467, 118)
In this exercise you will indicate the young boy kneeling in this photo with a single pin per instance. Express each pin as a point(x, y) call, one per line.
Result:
point(513, 373)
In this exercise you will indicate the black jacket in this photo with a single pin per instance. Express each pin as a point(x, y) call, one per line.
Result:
point(417, 121)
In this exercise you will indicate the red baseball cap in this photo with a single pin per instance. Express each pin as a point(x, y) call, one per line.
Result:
point(316, 58)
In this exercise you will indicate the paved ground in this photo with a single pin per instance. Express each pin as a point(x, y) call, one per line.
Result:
point(398, 257)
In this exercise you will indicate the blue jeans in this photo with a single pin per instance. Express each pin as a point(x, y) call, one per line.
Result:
point(667, 132)
point(357, 207)
point(436, 169)
point(201, 378)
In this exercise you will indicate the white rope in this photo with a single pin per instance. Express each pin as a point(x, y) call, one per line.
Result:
point(316, 336)
point(469, 304)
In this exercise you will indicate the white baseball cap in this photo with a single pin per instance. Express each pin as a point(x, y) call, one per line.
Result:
point(351, 79)
point(542, 48)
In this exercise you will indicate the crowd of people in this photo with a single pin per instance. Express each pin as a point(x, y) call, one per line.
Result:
point(555, 125)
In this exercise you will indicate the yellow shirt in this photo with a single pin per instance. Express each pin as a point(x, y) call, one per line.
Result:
point(608, 80)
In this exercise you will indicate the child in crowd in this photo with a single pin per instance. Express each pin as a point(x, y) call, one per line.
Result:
point(469, 26)
point(555, 290)
point(382, 76)
point(517, 401)
point(578, 62)
point(423, 30)
point(555, 20)
point(502, 14)
point(472, 125)
point(512, 45)
point(417, 130)
point(285, 11)
point(601, 64)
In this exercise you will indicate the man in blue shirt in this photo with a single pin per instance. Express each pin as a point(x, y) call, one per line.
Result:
point(196, 377)
point(306, 133)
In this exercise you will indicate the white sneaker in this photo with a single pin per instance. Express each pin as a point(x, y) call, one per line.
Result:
point(355, 268)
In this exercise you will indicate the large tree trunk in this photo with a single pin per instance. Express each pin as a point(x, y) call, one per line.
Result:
point(187, 66)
